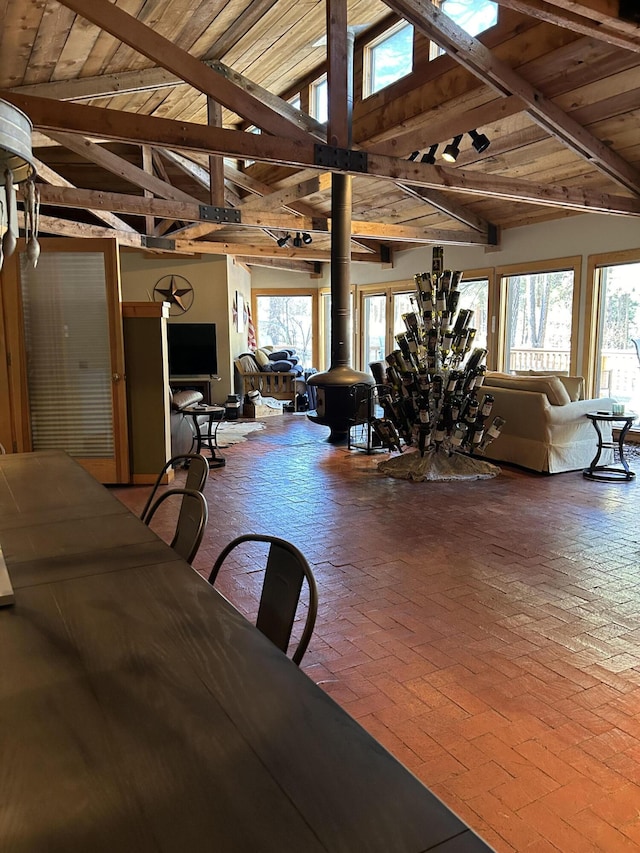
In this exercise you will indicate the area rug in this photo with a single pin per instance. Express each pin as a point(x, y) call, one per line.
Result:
point(233, 433)
point(436, 466)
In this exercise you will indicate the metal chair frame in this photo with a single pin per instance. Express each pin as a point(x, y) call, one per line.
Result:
point(198, 471)
point(285, 571)
point(192, 520)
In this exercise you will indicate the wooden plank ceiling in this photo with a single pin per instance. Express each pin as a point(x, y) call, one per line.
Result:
point(140, 106)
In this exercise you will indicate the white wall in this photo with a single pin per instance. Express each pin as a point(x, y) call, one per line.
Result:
point(208, 276)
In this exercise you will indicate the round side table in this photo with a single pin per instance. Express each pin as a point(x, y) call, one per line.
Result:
point(208, 439)
point(610, 473)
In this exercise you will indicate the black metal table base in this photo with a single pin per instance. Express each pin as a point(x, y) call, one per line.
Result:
point(610, 473)
point(208, 440)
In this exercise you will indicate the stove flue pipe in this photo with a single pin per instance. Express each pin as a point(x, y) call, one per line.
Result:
point(334, 389)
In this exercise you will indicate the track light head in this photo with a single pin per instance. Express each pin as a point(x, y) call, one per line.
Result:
point(282, 241)
point(430, 156)
point(479, 141)
point(297, 240)
point(452, 150)
point(306, 238)
point(414, 155)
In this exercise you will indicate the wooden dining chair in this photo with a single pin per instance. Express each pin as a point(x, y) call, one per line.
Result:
point(191, 520)
point(197, 473)
point(286, 569)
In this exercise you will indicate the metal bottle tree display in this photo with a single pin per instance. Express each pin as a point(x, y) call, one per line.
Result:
point(433, 399)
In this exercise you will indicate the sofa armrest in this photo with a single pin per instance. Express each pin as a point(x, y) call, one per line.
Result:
point(578, 409)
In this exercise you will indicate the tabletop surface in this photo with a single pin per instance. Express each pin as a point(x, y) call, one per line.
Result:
point(610, 416)
point(139, 711)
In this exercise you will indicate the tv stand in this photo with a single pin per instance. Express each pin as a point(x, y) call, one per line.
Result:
point(186, 383)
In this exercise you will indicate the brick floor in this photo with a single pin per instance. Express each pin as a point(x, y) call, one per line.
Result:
point(485, 632)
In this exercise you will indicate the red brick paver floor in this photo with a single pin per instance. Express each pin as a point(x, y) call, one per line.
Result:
point(486, 632)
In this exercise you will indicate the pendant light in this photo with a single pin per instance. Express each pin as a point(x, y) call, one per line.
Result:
point(16, 168)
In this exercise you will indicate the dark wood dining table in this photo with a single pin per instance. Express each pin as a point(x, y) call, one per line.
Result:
point(139, 711)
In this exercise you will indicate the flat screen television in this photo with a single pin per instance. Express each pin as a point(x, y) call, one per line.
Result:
point(192, 349)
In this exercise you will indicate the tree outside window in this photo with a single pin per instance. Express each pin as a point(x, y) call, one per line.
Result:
point(286, 321)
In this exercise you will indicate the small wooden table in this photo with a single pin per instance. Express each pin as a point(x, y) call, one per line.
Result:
point(209, 439)
point(610, 473)
point(140, 711)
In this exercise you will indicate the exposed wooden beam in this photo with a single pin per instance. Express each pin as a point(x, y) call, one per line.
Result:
point(46, 173)
point(305, 253)
point(151, 44)
point(67, 228)
point(263, 219)
point(126, 127)
point(119, 166)
point(277, 263)
point(607, 11)
point(479, 60)
point(604, 27)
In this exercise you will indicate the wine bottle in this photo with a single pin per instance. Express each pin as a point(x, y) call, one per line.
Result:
point(471, 409)
point(491, 433)
point(487, 405)
point(440, 432)
point(459, 434)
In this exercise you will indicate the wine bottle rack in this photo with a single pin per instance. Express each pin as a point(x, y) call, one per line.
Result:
point(434, 401)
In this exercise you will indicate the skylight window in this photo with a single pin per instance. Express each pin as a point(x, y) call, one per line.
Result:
point(474, 16)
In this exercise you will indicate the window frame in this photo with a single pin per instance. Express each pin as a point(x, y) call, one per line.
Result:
point(549, 265)
point(367, 57)
point(290, 291)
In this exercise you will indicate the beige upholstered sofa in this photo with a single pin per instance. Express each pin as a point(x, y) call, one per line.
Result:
point(546, 428)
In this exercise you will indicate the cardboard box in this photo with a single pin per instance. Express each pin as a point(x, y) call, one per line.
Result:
point(259, 410)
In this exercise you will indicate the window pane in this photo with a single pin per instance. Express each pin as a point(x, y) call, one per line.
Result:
point(286, 321)
point(321, 100)
point(374, 324)
point(618, 366)
point(474, 16)
point(474, 296)
point(539, 318)
point(401, 305)
point(391, 59)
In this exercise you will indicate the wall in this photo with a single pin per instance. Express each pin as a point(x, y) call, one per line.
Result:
point(238, 282)
point(211, 304)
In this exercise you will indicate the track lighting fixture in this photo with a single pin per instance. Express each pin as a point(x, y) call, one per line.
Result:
point(430, 156)
point(282, 241)
point(452, 150)
point(479, 141)
point(414, 155)
point(297, 240)
point(307, 238)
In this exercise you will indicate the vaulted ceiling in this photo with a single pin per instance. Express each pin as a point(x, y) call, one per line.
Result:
point(139, 110)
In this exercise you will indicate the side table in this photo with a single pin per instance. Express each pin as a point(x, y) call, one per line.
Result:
point(610, 473)
point(208, 439)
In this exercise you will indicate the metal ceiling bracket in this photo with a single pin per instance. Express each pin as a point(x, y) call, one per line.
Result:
point(219, 214)
point(150, 242)
point(341, 158)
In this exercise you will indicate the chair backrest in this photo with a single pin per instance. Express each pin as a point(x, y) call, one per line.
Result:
point(285, 571)
point(191, 522)
point(197, 473)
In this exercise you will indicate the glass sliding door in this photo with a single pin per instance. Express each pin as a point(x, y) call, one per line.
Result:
point(539, 306)
point(474, 296)
point(617, 364)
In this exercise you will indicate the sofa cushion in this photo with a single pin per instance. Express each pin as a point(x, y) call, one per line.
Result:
point(262, 357)
point(183, 399)
point(281, 354)
point(248, 363)
point(551, 386)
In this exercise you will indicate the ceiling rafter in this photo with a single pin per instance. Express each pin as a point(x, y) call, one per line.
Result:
point(50, 176)
point(90, 121)
point(480, 61)
point(151, 44)
point(603, 27)
point(140, 206)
